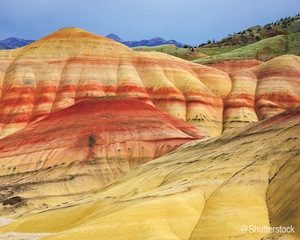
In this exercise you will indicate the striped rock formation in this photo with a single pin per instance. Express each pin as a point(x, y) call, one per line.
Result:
point(260, 90)
point(203, 190)
point(77, 111)
point(70, 64)
point(278, 87)
point(84, 147)
point(239, 106)
point(6, 58)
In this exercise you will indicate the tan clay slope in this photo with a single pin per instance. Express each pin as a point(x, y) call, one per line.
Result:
point(278, 87)
point(204, 190)
point(260, 91)
point(82, 148)
point(70, 64)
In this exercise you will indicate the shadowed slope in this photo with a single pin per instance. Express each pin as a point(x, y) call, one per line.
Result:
point(203, 190)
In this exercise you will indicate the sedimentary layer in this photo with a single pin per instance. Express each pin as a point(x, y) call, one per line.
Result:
point(84, 147)
point(239, 106)
point(202, 190)
point(260, 90)
point(278, 87)
point(70, 64)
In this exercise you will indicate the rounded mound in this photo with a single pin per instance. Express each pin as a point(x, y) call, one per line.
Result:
point(88, 145)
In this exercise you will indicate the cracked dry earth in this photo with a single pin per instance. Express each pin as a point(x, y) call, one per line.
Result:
point(203, 190)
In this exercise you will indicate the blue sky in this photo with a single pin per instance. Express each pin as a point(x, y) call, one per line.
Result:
point(188, 21)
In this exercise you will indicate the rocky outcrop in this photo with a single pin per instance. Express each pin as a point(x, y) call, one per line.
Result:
point(202, 190)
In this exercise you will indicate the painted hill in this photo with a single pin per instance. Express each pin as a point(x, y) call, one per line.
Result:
point(12, 42)
point(203, 190)
point(78, 111)
point(71, 64)
point(84, 147)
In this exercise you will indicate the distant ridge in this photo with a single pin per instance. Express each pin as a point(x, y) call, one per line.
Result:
point(114, 37)
point(13, 42)
point(145, 42)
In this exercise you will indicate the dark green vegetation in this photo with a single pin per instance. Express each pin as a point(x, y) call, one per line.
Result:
point(254, 34)
point(259, 42)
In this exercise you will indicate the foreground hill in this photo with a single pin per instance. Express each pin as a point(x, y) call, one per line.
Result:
point(82, 148)
point(203, 190)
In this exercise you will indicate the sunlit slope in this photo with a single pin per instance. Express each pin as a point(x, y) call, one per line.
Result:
point(262, 50)
point(184, 53)
point(203, 190)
